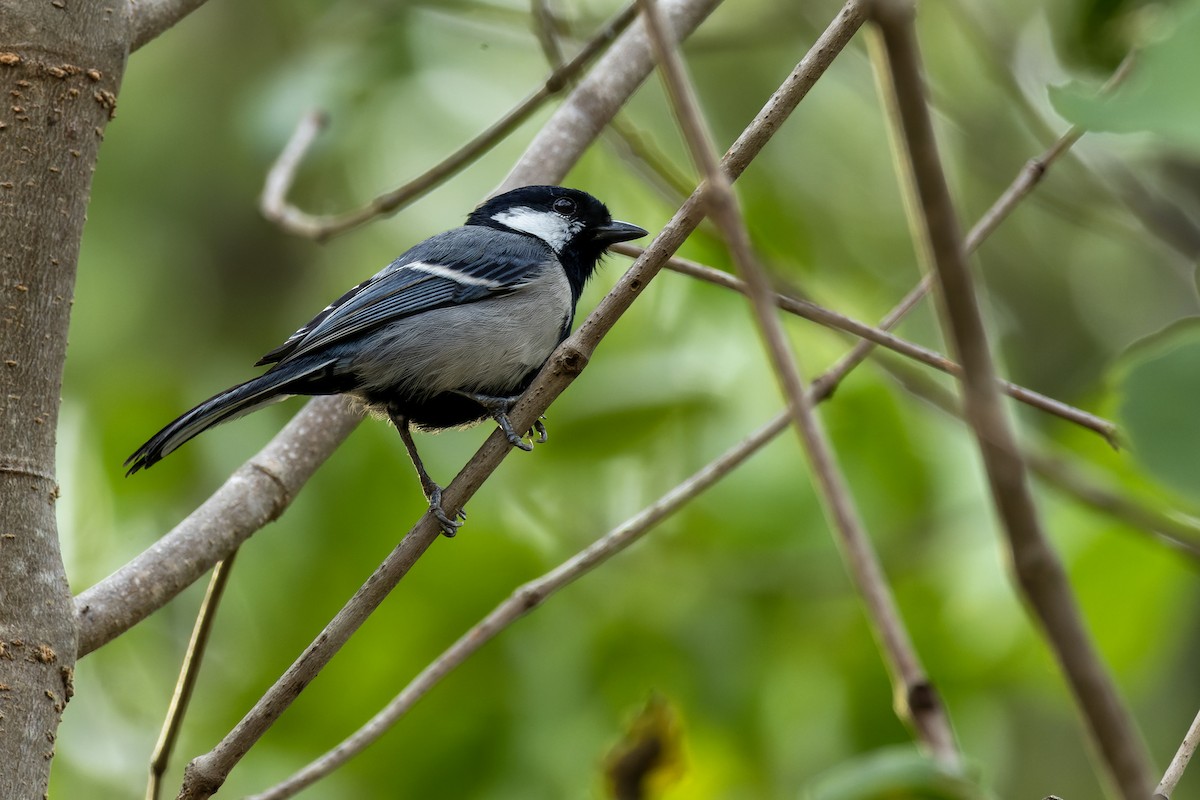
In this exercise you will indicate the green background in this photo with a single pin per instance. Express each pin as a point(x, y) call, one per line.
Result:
point(736, 611)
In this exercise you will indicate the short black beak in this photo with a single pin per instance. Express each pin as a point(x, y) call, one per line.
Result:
point(616, 231)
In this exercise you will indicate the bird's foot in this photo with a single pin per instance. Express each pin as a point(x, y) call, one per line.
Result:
point(449, 526)
point(498, 408)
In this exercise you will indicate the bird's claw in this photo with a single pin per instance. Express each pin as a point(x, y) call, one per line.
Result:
point(537, 433)
point(513, 439)
point(449, 526)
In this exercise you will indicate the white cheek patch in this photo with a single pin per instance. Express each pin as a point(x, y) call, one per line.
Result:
point(551, 228)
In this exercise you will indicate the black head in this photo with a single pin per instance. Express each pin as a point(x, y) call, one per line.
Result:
point(575, 225)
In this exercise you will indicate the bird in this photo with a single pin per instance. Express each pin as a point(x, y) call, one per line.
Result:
point(445, 336)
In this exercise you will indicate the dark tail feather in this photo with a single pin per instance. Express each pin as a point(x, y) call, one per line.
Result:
point(232, 403)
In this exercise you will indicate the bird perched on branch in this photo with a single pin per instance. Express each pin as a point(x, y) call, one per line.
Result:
point(448, 334)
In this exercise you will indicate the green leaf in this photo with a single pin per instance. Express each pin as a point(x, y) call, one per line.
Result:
point(1159, 96)
point(1159, 384)
point(894, 773)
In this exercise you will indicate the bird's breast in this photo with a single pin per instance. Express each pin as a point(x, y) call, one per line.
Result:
point(488, 346)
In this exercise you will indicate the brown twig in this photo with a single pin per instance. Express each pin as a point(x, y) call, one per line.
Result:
point(918, 701)
point(545, 25)
point(274, 203)
point(521, 602)
point(1039, 572)
point(1187, 748)
point(189, 671)
point(832, 319)
point(650, 163)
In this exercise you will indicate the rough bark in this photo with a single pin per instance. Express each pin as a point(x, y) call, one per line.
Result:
point(60, 66)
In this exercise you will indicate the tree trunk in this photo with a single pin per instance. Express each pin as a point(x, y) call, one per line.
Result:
point(61, 62)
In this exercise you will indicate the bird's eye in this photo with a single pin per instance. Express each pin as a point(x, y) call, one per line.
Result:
point(564, 206)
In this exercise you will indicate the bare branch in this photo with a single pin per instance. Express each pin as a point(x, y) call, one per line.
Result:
point(151, 18)
point(545, 27)
point(274, 203)
point(522, 601)
point(1179, 763)
point(1039, 572)
point(206, 773)
point(917, 699)
point(832, 319)
point(189, 671)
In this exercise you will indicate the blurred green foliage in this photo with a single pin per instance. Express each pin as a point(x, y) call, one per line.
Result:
point(736, 611)
point(1153, 98)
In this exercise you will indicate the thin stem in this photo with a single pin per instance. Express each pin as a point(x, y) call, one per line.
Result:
point(189, 671)
point(1187, 748)
point(917, 699)
point(274, 203)
point(1039, 571)
point(832, 319)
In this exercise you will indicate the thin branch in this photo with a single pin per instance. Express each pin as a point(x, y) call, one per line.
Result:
point(832, 319)
point(652, 164)
point(275, 206)
point(1039, 571)
point(918, 699)
point(545, 28)
point(189, 671)
point(522, 601)
point(151, 18)
point(1179, 763)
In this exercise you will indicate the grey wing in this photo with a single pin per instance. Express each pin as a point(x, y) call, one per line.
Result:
point(455, 268)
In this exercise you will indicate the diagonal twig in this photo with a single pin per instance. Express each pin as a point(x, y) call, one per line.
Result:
point(832, 319)
point(189, 671)
point(1039, 571)
point(917, 699)
point(1187, 749)
point(274, 203)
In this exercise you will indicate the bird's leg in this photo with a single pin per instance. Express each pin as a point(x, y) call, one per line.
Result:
point(433, 492)
point(498, 408)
